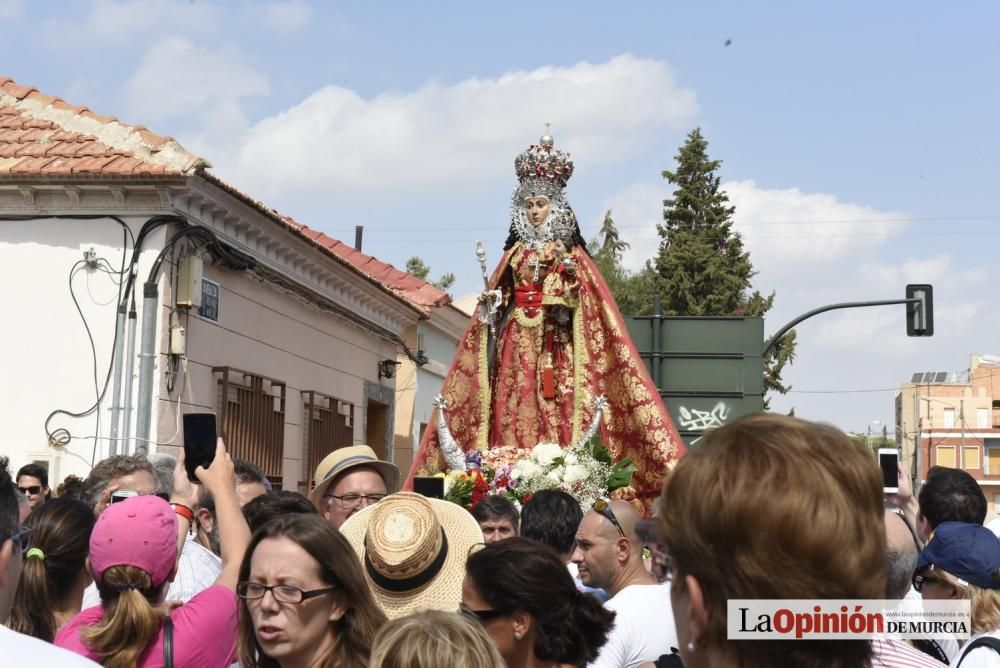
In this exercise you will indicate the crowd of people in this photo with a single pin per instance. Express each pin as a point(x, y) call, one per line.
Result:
point(138, 566)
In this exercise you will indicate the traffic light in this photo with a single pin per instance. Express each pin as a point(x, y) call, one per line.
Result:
point(920, 312)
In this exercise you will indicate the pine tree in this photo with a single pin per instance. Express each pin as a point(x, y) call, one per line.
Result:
point(419, 268)
point(702, 267)
point(633, 291)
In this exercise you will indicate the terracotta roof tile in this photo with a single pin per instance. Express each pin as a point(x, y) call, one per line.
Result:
point(76, 135)
point(30, 165)
point(59, 166)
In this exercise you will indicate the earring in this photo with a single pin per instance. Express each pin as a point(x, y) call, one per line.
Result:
point(517, 635)
point(690, 646)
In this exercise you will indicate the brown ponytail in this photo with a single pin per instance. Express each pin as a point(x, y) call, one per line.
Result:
point(130, 622)
point(61, 535)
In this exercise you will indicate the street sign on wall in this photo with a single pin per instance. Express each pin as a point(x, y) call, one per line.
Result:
point(709, 370)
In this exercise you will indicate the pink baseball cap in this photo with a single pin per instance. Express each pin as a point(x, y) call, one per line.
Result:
point(140, 531)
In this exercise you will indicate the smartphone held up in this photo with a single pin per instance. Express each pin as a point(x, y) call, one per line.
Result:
point(200, 432)
point(888, 461)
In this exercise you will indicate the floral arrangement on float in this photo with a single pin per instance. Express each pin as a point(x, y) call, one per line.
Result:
point(585, 470)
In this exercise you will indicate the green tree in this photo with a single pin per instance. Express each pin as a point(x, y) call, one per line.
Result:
point(419, 268)
point(633, 291)
point(702, 267)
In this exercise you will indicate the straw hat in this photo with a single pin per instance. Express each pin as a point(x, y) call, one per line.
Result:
point(413, 551)
point(344, 459)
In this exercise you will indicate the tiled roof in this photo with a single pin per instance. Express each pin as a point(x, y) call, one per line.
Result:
point(43, 135)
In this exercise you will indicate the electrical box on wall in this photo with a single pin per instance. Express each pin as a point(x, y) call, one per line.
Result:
point(189, 282)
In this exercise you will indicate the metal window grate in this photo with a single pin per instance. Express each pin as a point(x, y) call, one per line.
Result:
point(328, 424)
point(252, 418)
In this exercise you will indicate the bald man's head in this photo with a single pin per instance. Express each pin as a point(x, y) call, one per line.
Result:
point(900, 556)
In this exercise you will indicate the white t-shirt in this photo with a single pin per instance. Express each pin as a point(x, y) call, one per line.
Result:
point(980, 657)
point(644, 627)
point(21, 650)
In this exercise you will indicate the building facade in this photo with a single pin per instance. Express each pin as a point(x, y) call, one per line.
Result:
point(283, 332)
point(953, 419)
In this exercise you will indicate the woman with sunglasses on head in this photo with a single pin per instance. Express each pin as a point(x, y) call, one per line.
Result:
point(304, 600)
point(50, 589)
point(133, 557)
point(526, 599)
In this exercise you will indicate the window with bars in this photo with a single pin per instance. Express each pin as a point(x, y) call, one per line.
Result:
point(328, 424)
point(252, 419)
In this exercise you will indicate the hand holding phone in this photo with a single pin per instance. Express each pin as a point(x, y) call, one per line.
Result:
point(199, 442)
point(888, 462)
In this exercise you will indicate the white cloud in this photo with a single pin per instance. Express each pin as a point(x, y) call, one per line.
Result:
point(444, 135)
point(786, 231)
point(118, 23)
point(789, 232)
point(178, 79)
point(636, 211)
point(287, 17)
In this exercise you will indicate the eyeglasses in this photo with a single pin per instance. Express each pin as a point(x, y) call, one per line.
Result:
point(22, 539)
point(34, 489)
point(920, 580)
point(604, 508)
point(481, 615)
point(352, 501)
point(661, 563)
point(252, 591)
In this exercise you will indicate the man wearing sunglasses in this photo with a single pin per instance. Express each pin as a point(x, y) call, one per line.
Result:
point(608, 555)
point(33, 482)
point(15, 541)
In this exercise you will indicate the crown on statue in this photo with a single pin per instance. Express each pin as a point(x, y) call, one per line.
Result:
point(544, 162)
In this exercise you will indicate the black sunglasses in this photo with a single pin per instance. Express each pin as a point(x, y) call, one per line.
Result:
point(481, 615)
point(604, 508)
point(34, 489)
point(22, 539)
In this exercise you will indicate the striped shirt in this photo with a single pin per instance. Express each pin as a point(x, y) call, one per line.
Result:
point(888, 653)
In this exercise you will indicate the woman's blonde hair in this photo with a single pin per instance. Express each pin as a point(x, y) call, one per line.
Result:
point(984, 604)
point(433, 639)
point(130, 622)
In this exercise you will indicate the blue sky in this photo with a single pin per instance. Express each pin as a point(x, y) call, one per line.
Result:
point(858, 140)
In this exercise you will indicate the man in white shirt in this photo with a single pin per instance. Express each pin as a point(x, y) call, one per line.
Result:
point(608, 555)
point(19, 649)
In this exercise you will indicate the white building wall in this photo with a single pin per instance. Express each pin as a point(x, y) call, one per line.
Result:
point(48, 361)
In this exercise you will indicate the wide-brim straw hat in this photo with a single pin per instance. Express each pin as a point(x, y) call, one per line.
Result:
point(345, 459)
point(413, 550)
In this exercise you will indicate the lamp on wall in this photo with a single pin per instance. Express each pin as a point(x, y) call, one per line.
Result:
point(387, 369)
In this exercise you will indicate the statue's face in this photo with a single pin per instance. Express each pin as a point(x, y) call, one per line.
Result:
point(537, 209)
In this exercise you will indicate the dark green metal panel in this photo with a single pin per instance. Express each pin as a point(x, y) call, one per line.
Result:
point(708, 370)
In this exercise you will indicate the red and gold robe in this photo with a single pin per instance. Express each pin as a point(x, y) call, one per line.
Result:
point(562, 323)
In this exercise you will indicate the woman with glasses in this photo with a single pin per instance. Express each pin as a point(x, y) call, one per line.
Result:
point(133, 558)
point(962, 561)
point(526, 599)
point(50, 590)
point(304, 600)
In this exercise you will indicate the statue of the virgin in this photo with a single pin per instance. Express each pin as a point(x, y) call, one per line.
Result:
point(530, 373)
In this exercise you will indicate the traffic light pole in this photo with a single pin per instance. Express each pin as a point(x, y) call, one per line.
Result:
point(831, 307)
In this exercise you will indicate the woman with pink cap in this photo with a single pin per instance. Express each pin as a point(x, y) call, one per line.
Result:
point(133, 558)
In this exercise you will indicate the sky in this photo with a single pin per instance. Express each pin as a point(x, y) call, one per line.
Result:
point(858, 140)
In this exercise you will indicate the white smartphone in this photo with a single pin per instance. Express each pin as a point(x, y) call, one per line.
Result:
point(888, 461)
